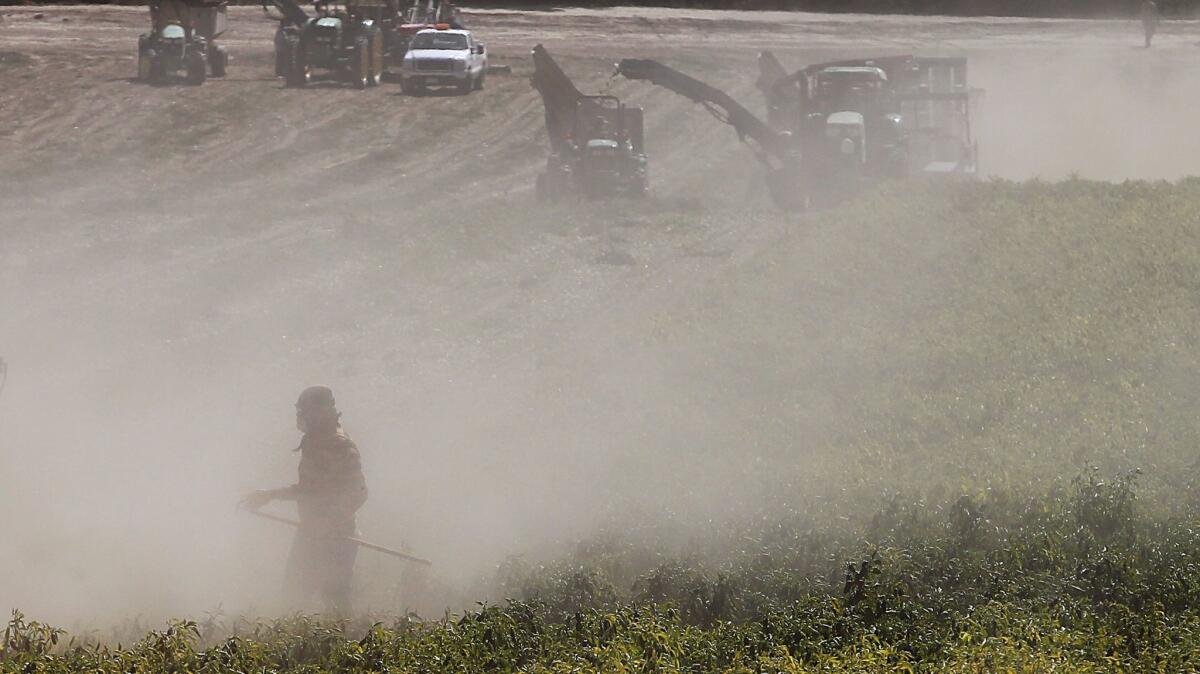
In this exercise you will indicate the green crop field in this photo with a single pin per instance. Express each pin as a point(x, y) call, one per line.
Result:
point(1077, 580)
point(1005, 479)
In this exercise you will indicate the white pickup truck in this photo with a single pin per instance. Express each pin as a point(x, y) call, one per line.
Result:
point(443, 57)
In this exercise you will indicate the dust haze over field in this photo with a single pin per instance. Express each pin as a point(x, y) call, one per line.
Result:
point(177, 263)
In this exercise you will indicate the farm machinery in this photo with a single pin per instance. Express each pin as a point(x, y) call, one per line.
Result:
point(832, 127)
point(183, 36)
point(422, 15)
point(904, 115)
point(356, 40)
point(597, 143)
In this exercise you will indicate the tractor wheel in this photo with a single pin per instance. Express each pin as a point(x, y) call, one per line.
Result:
point(197, 68)
point(299, 73)
point(145, 64)
point(283, 53)
point(218, 61)
point(377, 61)
point(158, 71)
point(283, 59)
point(360, 63)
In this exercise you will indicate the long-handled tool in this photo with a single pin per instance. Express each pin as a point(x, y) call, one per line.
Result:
point(358, 541)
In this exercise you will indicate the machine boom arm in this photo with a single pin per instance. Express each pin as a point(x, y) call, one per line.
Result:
point(291, 10)
point(559, 96)
point(721, 104)
point(770, 72)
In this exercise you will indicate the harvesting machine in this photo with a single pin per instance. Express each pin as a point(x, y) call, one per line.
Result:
point(183, 36)
point(597, 143)
point(831, 127)
point(356, 40)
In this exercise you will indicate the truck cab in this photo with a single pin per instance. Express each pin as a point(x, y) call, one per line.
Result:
point(855, 122)
point(441, 57)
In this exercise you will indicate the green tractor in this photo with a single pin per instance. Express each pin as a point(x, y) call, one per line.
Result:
point(183, 38)
point(347, 41)
point(603, 157)
point(597, 143)
point(356, 41)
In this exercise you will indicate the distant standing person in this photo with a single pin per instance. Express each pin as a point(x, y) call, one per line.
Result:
point(330, 490)
point(1149, 20)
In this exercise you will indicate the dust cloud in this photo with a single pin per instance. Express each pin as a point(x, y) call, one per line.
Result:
point(177, 264)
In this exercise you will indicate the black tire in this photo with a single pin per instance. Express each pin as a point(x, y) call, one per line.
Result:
point(283, 53)
point(197, 68)
point(466, 86)
point(283, 59)
point(378, 63)
point(360, 63)
point(158, 73)
point(144, 62)
point(218, 61)
point(299, 73)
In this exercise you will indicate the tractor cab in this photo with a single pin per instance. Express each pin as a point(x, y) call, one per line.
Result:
point(608, 136)
point(597, 143)
point(862, 89)
point(859, 93)
point(605, 118)
point(326, 35)
point(600, 125)
point(854, 121)
point(173, 32)
point(183, 36)
point(341, 39)
point(172, 45)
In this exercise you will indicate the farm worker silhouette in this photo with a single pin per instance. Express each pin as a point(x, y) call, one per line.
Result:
point(1149, 20)
point(330, 490)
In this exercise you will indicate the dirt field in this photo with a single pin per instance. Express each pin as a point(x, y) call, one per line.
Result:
point(176, 263)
